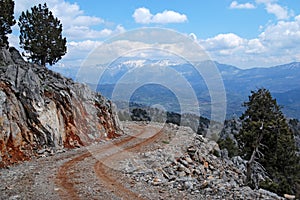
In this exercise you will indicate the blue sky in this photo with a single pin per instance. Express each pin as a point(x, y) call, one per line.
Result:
point(251, 33)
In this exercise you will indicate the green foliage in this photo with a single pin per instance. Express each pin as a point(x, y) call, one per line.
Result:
point(6, 20)
point(139, 114)
point(41, 36)
point(230, 145)
point(216, 153)
point(266, 134)
point(165, 142)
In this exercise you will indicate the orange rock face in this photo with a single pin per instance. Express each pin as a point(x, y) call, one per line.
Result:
point(41, 109)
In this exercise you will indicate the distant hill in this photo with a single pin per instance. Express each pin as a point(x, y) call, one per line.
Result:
point(282, 81)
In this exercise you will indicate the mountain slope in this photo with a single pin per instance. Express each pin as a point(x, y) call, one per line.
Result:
point(282, 81)
point(42, 110)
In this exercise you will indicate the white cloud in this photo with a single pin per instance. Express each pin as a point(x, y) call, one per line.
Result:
point(283, 35)
point(236, 5)
point(274, 8)
point(278, 11)
point(144, 16)
point(78, 51)
point(76, 24)
point(169, 16)
point(84, 32)
point(277, 44)
point(223, 41)
point(265, 1)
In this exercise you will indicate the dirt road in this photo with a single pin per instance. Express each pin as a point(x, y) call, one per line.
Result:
point(141, 136)
point(85, 173)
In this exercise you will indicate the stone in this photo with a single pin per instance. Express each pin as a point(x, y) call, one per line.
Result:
point(184, 162)
point(188, 185)
point(189, 160)
point(181, 174)
point(180, 167)
point(288, 196)
point(165, 174)
point(15, 197)
point(206, 165)
point(45, 109)
point(42, 151)
point(204, 184)
point(197, 171)
point(156, 181)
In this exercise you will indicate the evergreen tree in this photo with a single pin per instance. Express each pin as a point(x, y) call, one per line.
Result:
point(41, 36)
point(6, 20)
point(266, 138)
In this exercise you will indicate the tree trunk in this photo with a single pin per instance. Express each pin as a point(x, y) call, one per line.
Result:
point(43, 61)
point(249, 166)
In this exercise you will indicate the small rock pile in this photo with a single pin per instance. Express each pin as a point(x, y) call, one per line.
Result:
point(191, 163)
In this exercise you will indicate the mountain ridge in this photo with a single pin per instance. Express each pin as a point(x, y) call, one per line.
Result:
point(280, 80)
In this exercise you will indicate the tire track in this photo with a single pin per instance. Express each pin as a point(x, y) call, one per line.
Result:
point(65, 174)
point(111, 183)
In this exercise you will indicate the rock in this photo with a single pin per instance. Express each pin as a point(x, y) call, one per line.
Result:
point(189, 160)
point(41, 109)
point(181, 174)
point(206, 165)
point(188, 185)
point(15, 197)
point(165, 174)
point(204, 184)
point(195, 173)
point(191, 150)
point(156, 181)
point(184, 162)
point(187, 171)
point(180, 167)
point(42, 151)
point(288, 196)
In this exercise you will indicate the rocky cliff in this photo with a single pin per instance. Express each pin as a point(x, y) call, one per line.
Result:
point(42, 110)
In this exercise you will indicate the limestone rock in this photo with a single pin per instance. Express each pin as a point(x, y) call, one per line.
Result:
point(40, 108)
point(288, 196)
point(195, 170)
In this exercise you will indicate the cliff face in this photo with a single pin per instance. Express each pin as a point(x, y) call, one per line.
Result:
point(40, 109)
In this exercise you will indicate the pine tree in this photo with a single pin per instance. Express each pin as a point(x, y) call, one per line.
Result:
point(266, 138)
point(41, 36)
point(6, 20)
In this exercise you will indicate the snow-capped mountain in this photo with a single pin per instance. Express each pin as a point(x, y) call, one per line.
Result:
point(282, 81)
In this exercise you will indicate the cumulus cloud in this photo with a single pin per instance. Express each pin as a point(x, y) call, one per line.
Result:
point(283, 35)
point(265, 1)
point(223, 41)
point(76, 24)
point(278, 11)
point(236, 5)
point(77, 51)
point(274, 8)
point(83, 32)
point(144, 16)
point(277, 44)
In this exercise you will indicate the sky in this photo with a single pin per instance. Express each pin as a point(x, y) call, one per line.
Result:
point(246, 34)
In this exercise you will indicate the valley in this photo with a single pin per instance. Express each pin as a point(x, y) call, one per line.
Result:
point(281, 80)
